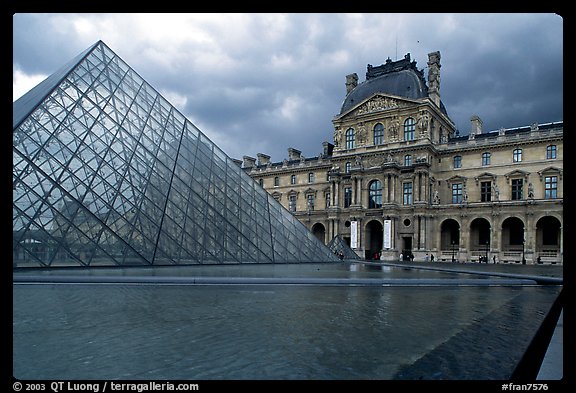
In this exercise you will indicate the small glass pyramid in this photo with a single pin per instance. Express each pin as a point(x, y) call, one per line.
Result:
point(339, 247)
point(107, 172)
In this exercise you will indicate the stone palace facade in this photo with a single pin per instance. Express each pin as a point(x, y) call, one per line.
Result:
point(398, 180)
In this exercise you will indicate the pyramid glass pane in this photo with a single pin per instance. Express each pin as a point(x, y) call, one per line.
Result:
point(107, 172)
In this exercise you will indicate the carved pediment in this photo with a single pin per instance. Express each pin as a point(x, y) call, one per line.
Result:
point(455, 179)
point(310, 191)
point(277, 195)
point(485, 176)
point(551, 170)
point(377, 103)
point(516, 174)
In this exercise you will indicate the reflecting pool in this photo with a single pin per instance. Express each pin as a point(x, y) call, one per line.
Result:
point(193, 332)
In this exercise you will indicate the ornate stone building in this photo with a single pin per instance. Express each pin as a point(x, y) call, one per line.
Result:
point(398, 179)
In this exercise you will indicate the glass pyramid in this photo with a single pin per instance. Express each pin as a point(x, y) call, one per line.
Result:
point(107, 172)
point(338, 244)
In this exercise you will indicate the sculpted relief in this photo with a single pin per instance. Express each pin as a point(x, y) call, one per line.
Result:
point(377, 104)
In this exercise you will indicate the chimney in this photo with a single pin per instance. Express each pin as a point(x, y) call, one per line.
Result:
point(328, 148)
point(434, 77)
point(248, 162)
point(263, 159)
point(293, 154)
point(476, 124)
point(351, 82)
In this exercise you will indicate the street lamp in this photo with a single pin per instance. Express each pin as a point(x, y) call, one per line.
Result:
point(453, 246)
point(523, 259)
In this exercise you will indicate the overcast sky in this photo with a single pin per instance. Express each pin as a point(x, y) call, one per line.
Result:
point(261, 83)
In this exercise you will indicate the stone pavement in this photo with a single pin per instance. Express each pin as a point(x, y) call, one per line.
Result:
point(553, 364)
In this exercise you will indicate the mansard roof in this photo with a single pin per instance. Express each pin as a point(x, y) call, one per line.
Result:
point(399, 78)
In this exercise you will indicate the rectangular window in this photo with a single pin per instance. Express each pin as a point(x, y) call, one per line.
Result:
point(517, 155)
point(311, 177)
point(293, 179)
point(485, 159)
point(457, 161)
point(517, 185)
point(407, 193)
point(347, 196)
point(485, 191)
point(551, 187)
point(292, 203)
point(551, 152)
point(310, 200)
point(457, 193)
point(327, 200)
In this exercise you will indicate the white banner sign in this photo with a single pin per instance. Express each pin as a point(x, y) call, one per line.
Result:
point(354, 235)
point(387, 234)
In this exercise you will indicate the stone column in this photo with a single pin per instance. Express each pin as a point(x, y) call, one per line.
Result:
point(337, 193)
point(419, 186)
point(423, 243)
point(359, 199)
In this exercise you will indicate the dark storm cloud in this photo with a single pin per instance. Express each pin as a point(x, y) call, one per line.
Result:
point(265, 82)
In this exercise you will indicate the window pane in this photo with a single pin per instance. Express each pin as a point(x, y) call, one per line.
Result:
point(407, 193)
point(485, 191)
point(350, 139)
point(375, 196)
point(409, 127)
point(347, 196)
point(378, 134)
point(517, 189)
point(551, 187)
point(457, 193)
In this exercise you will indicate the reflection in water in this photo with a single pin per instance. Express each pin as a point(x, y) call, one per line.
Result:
point(99, 331)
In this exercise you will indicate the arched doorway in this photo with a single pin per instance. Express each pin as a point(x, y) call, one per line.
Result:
point(320, 232)
point(479, 243)
point(449, 239)
point(512, 240)
point(373, 237)
point(548, 240)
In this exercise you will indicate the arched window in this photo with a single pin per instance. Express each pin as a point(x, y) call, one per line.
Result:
point(276, 181)
point(407, 160)
point(375, 195)
point(350, 138)
point(261, 182)
point(293, 179)
point(378, 134)
point(409, 128)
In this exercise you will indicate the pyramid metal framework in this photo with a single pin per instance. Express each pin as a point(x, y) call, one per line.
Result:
point(107, 172)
